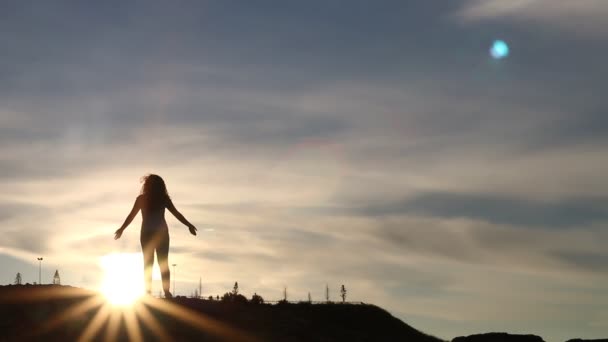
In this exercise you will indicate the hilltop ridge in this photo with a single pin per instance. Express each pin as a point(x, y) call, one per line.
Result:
point(66, 313)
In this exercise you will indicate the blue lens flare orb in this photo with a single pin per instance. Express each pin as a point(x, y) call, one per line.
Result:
point(499, 49)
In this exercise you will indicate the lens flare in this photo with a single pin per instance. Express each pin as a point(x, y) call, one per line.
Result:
point(123, 280)
point(499, 49)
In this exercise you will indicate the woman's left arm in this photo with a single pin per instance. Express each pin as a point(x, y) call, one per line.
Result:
point(180, 217)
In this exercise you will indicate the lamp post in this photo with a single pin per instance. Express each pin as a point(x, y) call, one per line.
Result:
point(40, 271)
point(174, 274)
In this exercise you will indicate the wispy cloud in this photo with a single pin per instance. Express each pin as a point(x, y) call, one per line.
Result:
point(584, 16)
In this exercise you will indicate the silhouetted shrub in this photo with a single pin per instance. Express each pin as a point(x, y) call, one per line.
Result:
point(256, 299)
point(230, 297)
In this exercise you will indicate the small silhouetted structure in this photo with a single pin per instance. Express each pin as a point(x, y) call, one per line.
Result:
point(309, 298)
point(200, 287)
point(343, 293)
point(285, 293)
point(257, 299)
point(327, 293)
point(17, 279)
point(56, 278)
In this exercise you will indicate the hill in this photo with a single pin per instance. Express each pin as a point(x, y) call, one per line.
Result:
point(54, 313)
point(498, 337)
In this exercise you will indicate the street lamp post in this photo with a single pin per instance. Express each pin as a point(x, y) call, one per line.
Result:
point(40, 271)
point(174, 274)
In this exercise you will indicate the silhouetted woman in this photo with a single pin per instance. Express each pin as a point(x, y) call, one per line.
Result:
point(154, 231)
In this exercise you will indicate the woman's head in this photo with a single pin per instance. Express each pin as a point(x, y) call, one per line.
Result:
point(155, 190)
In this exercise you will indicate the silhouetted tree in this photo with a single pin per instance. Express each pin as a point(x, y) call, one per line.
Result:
point(327, 293)
point(343, 293)
point(309, 298)
point(17, 279)
point(256, 299)
point(210, 298)
point(234, 296)
point(56, 278)
point(218, 297)
point(230, 297)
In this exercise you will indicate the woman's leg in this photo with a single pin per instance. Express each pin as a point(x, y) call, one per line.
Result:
point(162, 254)
point(148, 250)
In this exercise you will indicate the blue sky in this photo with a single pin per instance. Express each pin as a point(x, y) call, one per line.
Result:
point(371, 144)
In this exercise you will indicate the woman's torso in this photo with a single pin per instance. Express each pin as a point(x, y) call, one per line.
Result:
point(153, 215)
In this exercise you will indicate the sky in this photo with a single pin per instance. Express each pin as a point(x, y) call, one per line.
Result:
point(372, 144)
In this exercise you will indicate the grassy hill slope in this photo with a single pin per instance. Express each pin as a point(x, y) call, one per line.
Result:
point(65, 313)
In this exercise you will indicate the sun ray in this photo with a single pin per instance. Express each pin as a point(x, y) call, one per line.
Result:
point(71, 312)
point(151, 322)
point(95, 324)
point(45, 292)
point(113, 325)
point(199, 321)
point(132, 324)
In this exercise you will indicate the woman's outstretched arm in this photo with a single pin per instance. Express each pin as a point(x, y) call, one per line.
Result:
point(129, 219)
point(181, 217)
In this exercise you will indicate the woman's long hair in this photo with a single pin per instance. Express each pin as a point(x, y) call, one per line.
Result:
point(154, 191)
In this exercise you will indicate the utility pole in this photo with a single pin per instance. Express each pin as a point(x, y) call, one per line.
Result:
point(40, 271)
point(174, 274)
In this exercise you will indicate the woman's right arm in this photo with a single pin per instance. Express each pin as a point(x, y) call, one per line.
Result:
point(129, 219)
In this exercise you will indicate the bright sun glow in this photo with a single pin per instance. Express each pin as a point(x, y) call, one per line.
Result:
point(123, 278)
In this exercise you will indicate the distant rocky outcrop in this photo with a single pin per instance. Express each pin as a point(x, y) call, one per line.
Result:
point(498, 337)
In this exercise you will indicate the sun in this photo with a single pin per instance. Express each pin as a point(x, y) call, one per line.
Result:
point(122, 284)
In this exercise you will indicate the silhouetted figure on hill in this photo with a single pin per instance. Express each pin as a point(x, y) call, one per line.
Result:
point(154, 237)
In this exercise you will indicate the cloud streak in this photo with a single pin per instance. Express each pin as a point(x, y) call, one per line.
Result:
point(581, 16)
